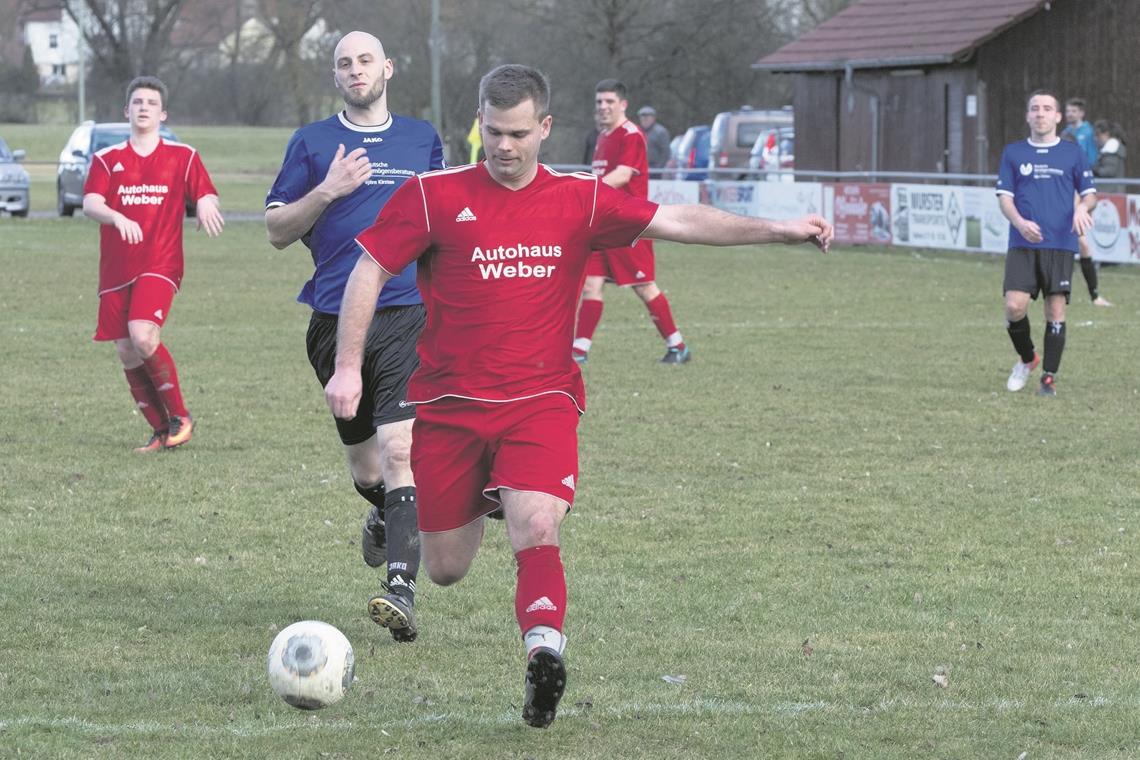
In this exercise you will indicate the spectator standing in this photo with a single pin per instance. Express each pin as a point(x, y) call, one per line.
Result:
point(656, 137)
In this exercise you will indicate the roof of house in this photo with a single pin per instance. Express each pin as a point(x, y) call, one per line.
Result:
point(892, 33)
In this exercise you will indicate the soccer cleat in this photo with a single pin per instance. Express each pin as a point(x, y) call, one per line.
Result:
point(1101, 301)
point(157, 442)
point(374, 539)
point(1019, 375)
point(545, 682)
point(394, 612)
point(181, 431)
point(1048, 386)
point(676, 355)
point(581, 357)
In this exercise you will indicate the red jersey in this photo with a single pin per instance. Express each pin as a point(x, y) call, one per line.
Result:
point(153, 191)
point(500, 272)
point(624, 145)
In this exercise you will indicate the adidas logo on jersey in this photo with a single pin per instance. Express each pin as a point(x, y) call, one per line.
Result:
point(118, 167)
point(158, 313)
point(465, 215)
point(568, 481)
point(640, 275)
point(542, 603)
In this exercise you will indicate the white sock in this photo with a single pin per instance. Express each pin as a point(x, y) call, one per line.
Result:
point(544, 636)
point(674, 340)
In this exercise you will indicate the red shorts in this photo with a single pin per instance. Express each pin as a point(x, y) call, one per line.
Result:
point(464, 451)
point(624, 266)
point(147, 299)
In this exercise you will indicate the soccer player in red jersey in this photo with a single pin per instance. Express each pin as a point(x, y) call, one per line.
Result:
point(502, 248)
point(620, 160)
point(138, 191)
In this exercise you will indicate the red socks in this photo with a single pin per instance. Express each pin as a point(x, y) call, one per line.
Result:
point(146, 398)
point(540, 596)
point(589, 315)
point(662, 316)
point(164, 376)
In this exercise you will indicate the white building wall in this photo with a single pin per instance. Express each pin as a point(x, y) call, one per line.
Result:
point(55, 49)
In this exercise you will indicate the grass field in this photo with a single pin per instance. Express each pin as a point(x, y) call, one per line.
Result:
point(840, 465)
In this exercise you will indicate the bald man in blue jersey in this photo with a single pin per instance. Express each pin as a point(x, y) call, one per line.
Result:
point(1037, 181)
point(336, 176)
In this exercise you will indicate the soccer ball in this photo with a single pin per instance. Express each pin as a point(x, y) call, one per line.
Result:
point(310, 664)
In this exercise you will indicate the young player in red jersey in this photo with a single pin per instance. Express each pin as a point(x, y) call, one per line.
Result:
point(138, 191)
point(502, 248)
point(620, 160)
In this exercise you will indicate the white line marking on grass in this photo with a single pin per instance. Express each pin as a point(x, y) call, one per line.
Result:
point(276, 723)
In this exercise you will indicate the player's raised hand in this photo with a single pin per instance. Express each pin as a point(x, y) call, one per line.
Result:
point(343, 394)
point(813, 229)
point(129, 230)
point(209, 215)
point(347, 172)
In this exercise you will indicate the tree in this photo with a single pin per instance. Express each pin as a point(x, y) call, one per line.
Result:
point(126, 38)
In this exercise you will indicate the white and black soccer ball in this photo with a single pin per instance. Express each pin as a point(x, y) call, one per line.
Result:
point(310, 664)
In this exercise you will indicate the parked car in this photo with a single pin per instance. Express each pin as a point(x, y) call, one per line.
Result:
point(735, 132)
point(75, 159)
point(693, 153)
point(774, 150)
point(15, 183)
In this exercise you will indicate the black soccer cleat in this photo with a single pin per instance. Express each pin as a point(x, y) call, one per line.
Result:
point(545, 682)
point(677, 356)
point(394, 612)
point(374, 540)
point(1048, 386)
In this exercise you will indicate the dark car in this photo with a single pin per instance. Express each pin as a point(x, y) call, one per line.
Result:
point(14, 181)
point(75, 159)
point(693, 153)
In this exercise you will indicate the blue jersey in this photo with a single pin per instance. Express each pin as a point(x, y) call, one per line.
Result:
point(1042, 179)
point(398, 150)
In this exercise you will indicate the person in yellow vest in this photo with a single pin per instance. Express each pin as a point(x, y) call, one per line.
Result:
point(475, 140)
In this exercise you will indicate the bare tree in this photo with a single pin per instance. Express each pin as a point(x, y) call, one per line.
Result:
point(126, 38)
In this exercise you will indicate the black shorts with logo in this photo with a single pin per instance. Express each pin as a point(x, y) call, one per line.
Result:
point(1036, 270)
point(389, 360)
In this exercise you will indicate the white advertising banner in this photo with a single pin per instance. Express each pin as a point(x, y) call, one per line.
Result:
point(735, 197)
point(1111, 235)
point(674, 191)
point(780, 200)
point(929, 216)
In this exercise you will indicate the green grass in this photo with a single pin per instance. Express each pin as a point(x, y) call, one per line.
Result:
point(839, 464)
point(242, 160)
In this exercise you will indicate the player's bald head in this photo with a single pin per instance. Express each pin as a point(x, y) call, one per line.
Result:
point(357, 42)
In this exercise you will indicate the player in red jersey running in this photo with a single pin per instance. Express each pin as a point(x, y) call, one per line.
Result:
point(621, 161)
point(502, 248)
point(138, 191)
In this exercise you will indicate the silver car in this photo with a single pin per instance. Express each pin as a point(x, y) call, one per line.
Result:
point(14, 181)
point(75, 159)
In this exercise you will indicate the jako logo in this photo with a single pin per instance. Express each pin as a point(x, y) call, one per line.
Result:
point(1025, 169)
point(367, 140)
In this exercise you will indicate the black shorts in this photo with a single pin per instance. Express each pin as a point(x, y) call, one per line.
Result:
point(1035, 270)
point(389, 360)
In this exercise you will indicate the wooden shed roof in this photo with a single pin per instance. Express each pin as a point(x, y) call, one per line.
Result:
point(893, 33)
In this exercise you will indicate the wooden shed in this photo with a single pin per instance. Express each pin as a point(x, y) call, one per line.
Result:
point(941, 85)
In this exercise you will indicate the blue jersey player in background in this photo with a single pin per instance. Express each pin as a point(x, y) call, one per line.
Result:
point(336, 176)
point(1036, 184)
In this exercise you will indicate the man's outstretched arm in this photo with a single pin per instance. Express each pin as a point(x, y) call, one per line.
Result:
point(706, 225)
point(356, 309)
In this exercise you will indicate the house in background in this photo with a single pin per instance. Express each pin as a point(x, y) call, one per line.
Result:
point(54, 41)
point(941, 85)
